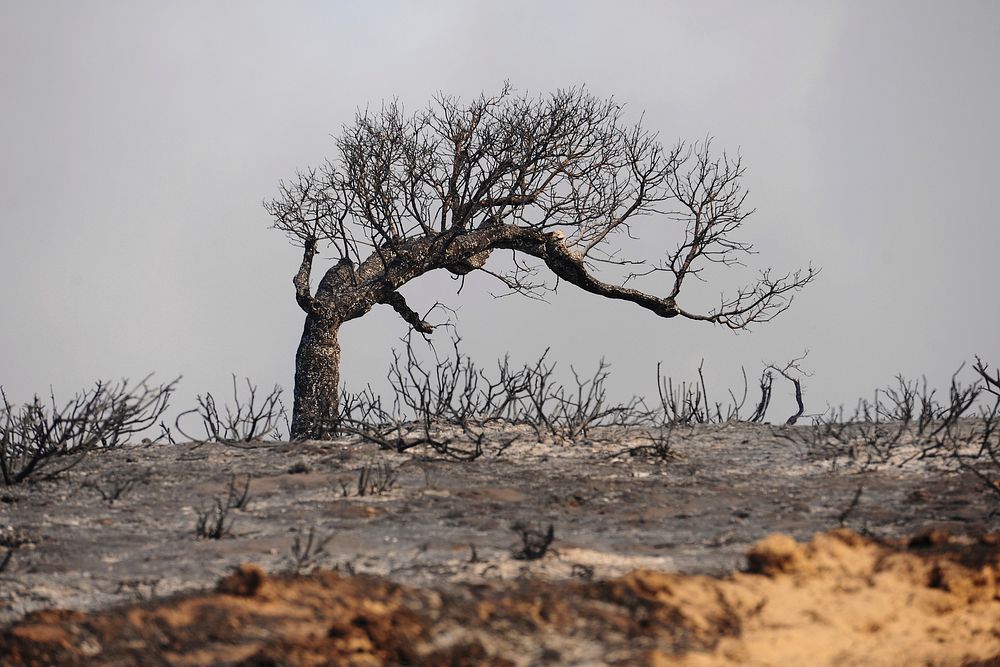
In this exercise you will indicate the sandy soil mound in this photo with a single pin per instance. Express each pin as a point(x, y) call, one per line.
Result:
point(839, 599)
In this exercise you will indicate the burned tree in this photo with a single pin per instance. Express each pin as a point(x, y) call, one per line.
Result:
point(562, 179)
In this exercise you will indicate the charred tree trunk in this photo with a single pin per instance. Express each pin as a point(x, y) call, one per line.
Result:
point(343, 294)
point(317, 380)
point(317, 362)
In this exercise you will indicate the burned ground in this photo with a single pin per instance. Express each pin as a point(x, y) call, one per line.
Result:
point(444, 538)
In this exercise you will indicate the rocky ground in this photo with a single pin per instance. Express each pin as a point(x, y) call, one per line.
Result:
point(453, 556)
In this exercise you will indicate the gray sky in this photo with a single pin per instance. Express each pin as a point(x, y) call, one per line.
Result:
point(138, 139)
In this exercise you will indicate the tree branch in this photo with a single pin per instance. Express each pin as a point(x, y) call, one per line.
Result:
point(557, 178)
point(398, 303)
point(759, 302)
point(301, 280)
point(568, 265)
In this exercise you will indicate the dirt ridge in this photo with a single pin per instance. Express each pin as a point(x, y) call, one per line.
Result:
point(839, 598)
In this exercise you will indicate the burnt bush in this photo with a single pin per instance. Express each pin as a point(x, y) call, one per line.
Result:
point(250, 417)
point(307, 551)
point(214, 522)
point(908, 422)
point(54, 437)
point(459, 408)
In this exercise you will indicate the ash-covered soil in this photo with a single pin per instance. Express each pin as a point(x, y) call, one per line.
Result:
point(447, 526)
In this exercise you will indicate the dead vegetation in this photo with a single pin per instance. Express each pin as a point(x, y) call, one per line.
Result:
point(307, 550)
point(698, 511)
point(115, 486)
point(247, 419)
point(447, 403)
point(377, 479)
point(215, 522)
point(11, 540)
point(455, 407)
point(54, 437)
point(461, 410)
point(535, 542)
point(906, 423)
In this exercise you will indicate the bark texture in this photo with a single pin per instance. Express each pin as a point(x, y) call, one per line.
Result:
point(317, 380)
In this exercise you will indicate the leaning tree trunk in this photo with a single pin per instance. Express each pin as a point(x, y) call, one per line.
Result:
point(345, 294)
point(317, 379)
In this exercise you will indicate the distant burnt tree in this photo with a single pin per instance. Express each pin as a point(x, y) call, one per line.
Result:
point(562, 179)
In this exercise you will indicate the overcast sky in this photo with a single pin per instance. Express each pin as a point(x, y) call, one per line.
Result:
point(138, 139)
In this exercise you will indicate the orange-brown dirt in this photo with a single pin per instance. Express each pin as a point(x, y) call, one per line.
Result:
point(839, 599)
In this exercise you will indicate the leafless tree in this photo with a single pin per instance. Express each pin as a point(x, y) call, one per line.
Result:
point(562, 180)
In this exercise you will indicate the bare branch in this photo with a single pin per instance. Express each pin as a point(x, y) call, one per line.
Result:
point(398, 303)
point(568, 265)
point(757, 303)
point(301, 280)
